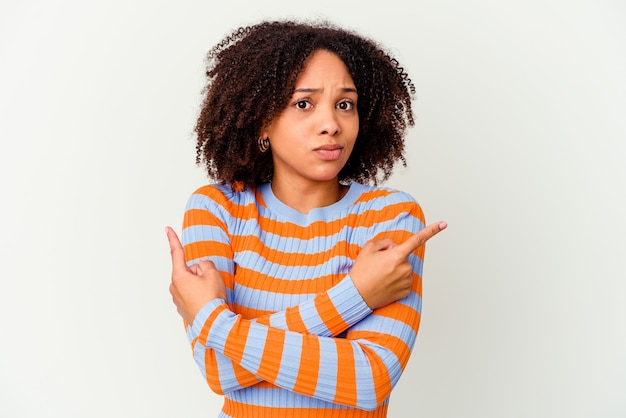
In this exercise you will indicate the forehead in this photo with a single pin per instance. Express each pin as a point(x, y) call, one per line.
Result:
point(324, 66)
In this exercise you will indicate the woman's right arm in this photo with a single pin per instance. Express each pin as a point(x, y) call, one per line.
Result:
point(357, 371)
point(205, 237)
point(326, 315)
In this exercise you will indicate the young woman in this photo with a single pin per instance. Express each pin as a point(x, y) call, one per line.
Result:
point(299, 281)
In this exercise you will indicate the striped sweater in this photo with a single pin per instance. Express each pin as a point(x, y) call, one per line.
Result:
point(294, 337)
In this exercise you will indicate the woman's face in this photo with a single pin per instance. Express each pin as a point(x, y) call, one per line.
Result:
point(312, 138)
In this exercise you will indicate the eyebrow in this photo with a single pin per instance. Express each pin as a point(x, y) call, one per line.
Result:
point(314, 90)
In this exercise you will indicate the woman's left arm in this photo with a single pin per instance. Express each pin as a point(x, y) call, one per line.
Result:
point(357, 371)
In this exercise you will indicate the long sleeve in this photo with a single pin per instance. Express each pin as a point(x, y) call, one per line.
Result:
point(205, 235)
point(317, 316)
point(359, 370)
point(298, 348)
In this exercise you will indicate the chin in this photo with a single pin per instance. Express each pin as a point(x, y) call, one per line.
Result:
point(328, 177)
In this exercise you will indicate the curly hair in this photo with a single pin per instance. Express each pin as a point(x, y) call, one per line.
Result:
point(251, 76)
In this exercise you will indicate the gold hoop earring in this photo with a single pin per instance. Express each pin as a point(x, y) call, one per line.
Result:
point(264, 143)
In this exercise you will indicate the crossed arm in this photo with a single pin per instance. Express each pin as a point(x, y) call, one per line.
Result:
point(377, 304)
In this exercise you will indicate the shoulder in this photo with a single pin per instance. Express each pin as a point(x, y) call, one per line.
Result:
point(389, 213)
point(220, 195)
point(386, 199)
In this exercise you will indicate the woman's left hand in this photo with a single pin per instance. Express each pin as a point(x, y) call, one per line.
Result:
point(195, 286)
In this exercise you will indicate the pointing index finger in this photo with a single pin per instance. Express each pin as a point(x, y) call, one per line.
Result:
point(417, 240)
point(176, 250)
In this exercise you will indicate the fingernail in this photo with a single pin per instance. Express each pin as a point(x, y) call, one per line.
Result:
point(443, 225)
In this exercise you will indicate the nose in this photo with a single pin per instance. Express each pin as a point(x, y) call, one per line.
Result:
point(328, 121)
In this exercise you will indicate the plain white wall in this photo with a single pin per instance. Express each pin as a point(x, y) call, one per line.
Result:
point(519, 144)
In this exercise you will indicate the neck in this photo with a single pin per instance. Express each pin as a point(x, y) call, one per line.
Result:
point(304, 197)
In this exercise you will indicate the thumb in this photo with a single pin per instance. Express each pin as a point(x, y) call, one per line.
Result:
point(379, 245)
point(204, 266)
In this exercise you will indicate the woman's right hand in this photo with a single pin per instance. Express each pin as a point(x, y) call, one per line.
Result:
point(192, 287)
point(382, 273)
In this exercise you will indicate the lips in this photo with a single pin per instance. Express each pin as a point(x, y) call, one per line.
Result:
point(329, 152)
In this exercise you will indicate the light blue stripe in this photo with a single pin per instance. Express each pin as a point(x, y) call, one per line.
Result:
point(198, 356)
point(391, 361)
point(279, 320)
point(228, 379)
point(270, 301)
point(275, 302)
point(365, 389)
point(413, 301)
point(312, 245)
point(356, 235)
point(312, 320)
point(417, 263)
point(386, 325)
point(327, 378)
point(279, 397)
point(251, 260)
point(253, 351)
point(197, 233)
point(201, 201)
point(339, 265)
point(290, 361)
point(221, 263)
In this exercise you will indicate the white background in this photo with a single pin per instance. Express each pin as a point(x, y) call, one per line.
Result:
point(519, 145)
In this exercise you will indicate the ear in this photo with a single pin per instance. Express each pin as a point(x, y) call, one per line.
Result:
point(265, 130)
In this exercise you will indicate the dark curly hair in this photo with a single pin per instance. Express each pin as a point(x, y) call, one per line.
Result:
point(251, 76)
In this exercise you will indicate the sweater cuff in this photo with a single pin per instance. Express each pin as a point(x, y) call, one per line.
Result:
point(347, 298)
point(200, 322)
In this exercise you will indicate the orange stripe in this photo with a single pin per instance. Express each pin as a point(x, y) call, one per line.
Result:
point(248, 211)
point(193, 344)
point(327, 228)
point(373, 194)
point(397, 235)
point(258, 196)
point(244, 377)
point(250, 313)
point(382, 382)
point(252, 280)
point(327, 310)
point(237, 409)
point(242, 212)
point(400, 312)
point(211, 371)
point(253, 243)
point(236, 341)
point(294, 321)
point(306, 382)
point(216, 195)
point(345, 392)
point(204, 332)
point(288, 230)
point(272, 354)
point(296, 287)
point(263, 320)
point(229, 279)
point(199, 249)
point(391, 342)
point(195, 217)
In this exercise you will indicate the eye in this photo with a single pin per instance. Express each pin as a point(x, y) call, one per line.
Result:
point(345, 105)
point(303, 104)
